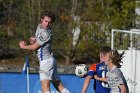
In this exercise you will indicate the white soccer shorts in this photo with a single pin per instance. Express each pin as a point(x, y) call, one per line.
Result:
point(48, 70)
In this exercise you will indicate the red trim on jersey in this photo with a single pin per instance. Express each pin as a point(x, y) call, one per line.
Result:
point(92, 67)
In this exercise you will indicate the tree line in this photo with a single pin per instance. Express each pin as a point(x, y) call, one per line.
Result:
point(81, 28)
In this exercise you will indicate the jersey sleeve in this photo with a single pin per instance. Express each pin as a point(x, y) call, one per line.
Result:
point(92, 70)
point(43, 38)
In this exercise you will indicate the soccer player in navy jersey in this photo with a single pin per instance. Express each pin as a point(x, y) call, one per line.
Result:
point(115, 77)
point(99, 69)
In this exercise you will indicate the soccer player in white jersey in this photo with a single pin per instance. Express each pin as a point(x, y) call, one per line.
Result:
point(115, 77)
point(42, 43)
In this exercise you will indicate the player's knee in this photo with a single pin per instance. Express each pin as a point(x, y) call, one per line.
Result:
point(65, 90)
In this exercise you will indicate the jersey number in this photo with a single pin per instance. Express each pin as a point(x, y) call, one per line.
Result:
point(104, 84)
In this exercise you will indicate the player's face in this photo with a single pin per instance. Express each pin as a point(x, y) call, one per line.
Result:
point(108, 60)
point(102, 57)
point(46, 21)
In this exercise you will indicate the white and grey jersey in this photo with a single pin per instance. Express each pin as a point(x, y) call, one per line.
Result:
point(114, 79)
point(43, 37)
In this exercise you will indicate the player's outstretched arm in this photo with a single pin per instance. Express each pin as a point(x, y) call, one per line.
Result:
point(100, 79)
point(86, 83)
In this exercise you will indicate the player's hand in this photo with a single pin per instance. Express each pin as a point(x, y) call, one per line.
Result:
point(32, 40)
point(22, 44)
point(96, 77)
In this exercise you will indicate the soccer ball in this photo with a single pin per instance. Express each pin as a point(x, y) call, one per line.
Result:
point(81, 70)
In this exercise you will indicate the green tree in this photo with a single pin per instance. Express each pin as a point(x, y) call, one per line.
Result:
point(97, 18)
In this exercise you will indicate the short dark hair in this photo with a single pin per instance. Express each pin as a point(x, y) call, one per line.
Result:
point(48, 14)
point(105, 49)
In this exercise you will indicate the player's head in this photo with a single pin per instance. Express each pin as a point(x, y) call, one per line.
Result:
point(47, 18)
point(115, 58)
point(103, 52)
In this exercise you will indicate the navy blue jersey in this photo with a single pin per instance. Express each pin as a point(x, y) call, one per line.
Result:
point(100, 70)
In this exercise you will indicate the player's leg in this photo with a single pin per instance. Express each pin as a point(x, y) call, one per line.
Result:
point(46, 70)
point(45, 86)
point(60, 87)
point(57, 82)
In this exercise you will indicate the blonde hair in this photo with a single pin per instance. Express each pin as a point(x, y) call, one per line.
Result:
point(116, 58)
